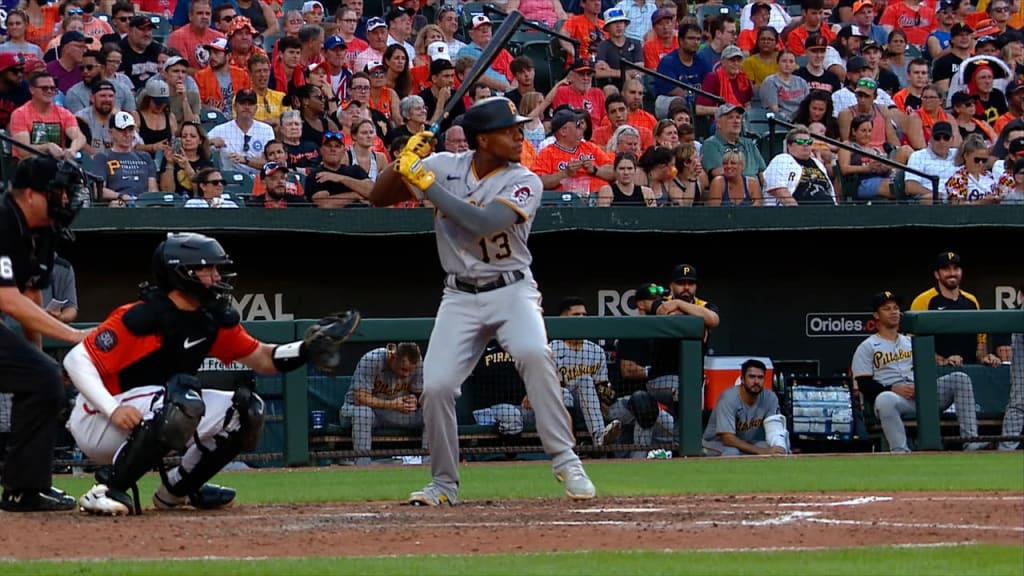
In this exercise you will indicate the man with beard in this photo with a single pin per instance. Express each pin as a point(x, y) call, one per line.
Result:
point(140, 54)
point(79, 96)
point(954, 349)
point(738, 422)
point(334, 184)
point(13, 88)
point(97, 117)
point(220, 80)
point(663, 375)
point(274, 177)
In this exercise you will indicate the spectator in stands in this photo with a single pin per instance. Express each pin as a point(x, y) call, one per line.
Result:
point(964, 107)
point(812, 25)
point(883, 119)
point(871, 177)
point(691, 177)
point(533, 105)
point(624, 139)
point(399, 21)
point(639, 14)
point(16, 24)
point(315, 121)
point(547, 11)
point(241, 140)
point(1014, 103)
point(363, 153)
point(79, 96)
point(301, 153)
point(814, 71)
point(760, 14)
point(846, 46)
point(43, 125)
point(658, 172)
point(633, 92)
point(764, 58)
point(396, 64)
point(727, 80)
point(339, 76)
point(455, 139)
point(618, 115)
point(664, 39)
point(156, 124)
point(219, 81)
point(313, 12)
point(938, 159)
point(937, 44)
point(683, 65)
point(261, 14)
point(499, 76)
point(97, 117)
point(883, 367)
point(613, 50)
point(112, 69)
point(579, 92)
point(973, 182)
point(127, 173)
point(448, 19)
point(414, 111)
point(269, 103)
point(796, 176)
point(931, 111)
point(908, 100)
point(960, 45)
point(274, 177)
point(385, 391)
point(120, 16)
point(623, 191)
point(188, 39)
point(192, 155)
point(894, 57)
point(586, 27)
point(731, 187)
point(67, 68)
point(524, 73)
point(729, 127)
point(335, 184)
point(208, 191)
point(666, 134)
point(140, 54)
point(47, 17)
point(783, 92)
point(377, 38)
point(863, 24)
point(742, 417)
point(914, 19)
point(13, 88)
point(382, 98)
point(574, 165)
point(778, 17)
point(1013, 149)
point(241, 47)
point(72, 22)
point(722, 34)
point(223, 15)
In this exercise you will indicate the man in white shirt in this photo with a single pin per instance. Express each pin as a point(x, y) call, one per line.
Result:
point(936, 158)
point(399, 22)
point(639, 13)
point(242, 140)
point(797, 176)
point(844, 97)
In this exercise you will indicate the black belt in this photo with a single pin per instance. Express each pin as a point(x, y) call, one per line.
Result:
point(501, 282)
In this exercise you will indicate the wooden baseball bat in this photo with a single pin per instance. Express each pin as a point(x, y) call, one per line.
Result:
point(499, 40)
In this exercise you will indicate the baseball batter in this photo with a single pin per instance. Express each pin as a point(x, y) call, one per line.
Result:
point(485, 204)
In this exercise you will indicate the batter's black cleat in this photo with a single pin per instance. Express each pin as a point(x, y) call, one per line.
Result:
point(52, 500)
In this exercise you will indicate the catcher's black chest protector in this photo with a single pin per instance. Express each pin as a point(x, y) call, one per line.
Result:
point(187, 338)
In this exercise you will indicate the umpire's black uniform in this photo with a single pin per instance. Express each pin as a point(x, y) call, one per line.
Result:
point(26, 259)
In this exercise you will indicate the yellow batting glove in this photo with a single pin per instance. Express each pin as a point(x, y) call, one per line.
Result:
point(412, 170)
point(420, 144)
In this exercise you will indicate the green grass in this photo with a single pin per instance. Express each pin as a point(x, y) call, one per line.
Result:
point(917, 472)
point(933, 561)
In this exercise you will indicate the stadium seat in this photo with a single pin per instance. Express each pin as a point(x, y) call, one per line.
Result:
point(237, 183)
point(161, 28)
point(707, 10)
point(269, 41)
point(210, 117)
point(559, 198)
point(159, 200)
point(794, 10)
point(549, 68)
point(770, 147)
point(756, 121)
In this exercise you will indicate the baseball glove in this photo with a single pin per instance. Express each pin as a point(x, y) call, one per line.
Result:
point(412, 170)
point(605, 394)
point(324, 339)
point(420, 144)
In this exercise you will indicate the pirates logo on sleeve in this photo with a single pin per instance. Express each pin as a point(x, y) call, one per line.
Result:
point(521, 196)
point(106, 340)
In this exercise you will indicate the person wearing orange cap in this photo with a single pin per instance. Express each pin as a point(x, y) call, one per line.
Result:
point(240, 41)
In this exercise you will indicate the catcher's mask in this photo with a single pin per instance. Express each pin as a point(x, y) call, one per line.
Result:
point(59, 181)
point(178, 258)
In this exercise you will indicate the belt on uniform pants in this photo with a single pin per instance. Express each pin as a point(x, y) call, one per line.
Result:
point(505, 279)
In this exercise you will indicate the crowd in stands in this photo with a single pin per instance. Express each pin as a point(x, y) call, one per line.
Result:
point(302, 103)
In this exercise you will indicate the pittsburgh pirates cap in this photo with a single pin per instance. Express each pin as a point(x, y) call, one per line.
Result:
point(684, 272)
point(883, 297)
point(945, 259)
point(122, 121)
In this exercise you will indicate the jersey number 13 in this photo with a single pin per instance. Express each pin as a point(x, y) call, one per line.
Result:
point(498, 244)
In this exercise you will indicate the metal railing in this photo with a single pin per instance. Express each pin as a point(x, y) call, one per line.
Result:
point(773, 121)
point(624, 64)
point(534, 26)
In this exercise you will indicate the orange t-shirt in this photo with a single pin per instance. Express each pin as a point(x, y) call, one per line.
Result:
point(585, 31)
point(799, 35)
point(554, 158)
point(592, 101)
point(41, 128)
point(654, 50)
point(186, 41)
point(209, 88)
point(603, 134)
point(916, 24)
point(40, 36)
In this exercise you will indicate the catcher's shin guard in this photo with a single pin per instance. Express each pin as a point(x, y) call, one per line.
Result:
point(169, 430)
point(249, 406)
point(192, 483)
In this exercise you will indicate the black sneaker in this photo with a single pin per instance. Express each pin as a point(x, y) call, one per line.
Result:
point(211, 496)
point(52, 500)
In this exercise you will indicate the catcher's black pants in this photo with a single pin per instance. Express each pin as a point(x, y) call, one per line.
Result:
point(37, 385)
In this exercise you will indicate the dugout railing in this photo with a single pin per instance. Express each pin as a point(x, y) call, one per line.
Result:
point(923, 327)
point(292, 418)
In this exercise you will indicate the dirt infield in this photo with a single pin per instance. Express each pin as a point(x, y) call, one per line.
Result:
point(693, 522)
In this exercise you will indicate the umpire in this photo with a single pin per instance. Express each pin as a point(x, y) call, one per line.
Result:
point(33, 216)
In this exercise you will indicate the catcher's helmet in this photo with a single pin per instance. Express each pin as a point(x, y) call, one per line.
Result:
point(489, 114)
point(177, 258)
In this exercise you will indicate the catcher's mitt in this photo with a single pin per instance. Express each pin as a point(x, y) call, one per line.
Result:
point(324, 339)
point(605, 394)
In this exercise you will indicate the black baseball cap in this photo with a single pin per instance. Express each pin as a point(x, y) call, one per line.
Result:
point(942, 127)
point(883, 297)
point(684, 272)
point(140, 21)
point(1017, 84)
point(440, 65)
point(246, 96)
point(960, 28)
point(856, 63)
point(100, 85)
point(1016, 147)
point(945, 259)
point(649, 292)
point(868, 44)
point(961, 98)
point(816, 41)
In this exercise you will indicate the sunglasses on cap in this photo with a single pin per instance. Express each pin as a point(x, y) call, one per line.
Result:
point(656, 291)
point(867, 83)
point(334, 136)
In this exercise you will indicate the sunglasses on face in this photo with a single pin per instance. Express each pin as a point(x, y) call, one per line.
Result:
point(215, 182)
point(942, 137)
point(228, 18)
point(980, 159)
point(803, 141)
point(123, 18)
point(47, 88)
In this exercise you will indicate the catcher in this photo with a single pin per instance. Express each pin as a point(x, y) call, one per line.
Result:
point(139, 396)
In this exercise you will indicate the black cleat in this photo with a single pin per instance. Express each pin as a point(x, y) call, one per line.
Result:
point(52, 500)
point(212, 496)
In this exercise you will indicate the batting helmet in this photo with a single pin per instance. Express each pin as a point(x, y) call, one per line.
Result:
point(644, 408)
point(177, 259)
point(490, 114)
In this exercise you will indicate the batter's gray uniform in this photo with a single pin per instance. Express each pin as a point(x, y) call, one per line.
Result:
point(489, 292)
point(581, 365)
point(891, 363)
point(374, 375)
point(1013, 419)
point(733, 415)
